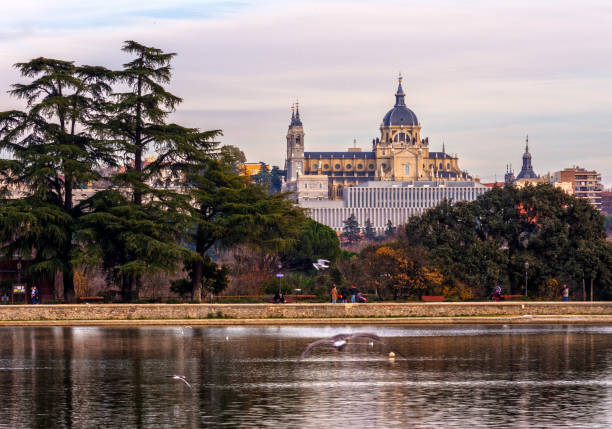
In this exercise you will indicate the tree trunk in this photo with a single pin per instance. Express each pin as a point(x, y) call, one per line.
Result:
point(68, 193)
point(68, 280)
point(196, 281)
point(137, 285)
point(126, 288)
point(138, 143)
point(591, 289)
point(583, 290)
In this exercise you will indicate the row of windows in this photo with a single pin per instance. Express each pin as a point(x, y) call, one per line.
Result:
point(338, 166)
point(408, 197)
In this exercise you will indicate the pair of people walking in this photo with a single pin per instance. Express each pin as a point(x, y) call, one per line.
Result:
point(344, 295)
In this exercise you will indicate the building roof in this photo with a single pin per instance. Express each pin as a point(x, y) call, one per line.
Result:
point(400, 114)
point(418, 184)
point(340, 155)
point(440, 155)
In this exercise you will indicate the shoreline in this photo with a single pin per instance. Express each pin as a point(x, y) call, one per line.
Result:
point(574, 319)
point(307, 314)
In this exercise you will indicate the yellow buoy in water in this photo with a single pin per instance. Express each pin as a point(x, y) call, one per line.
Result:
point(391, 355)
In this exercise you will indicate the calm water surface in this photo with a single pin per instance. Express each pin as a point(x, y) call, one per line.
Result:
point(467, 377)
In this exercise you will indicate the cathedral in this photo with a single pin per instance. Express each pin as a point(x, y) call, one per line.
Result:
point(399, 154)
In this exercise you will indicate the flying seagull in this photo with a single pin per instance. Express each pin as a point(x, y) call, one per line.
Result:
point(182, 378)
point(321, 264)
point(341, 340)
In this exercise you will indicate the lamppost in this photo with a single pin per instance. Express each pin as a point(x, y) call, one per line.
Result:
point(526, 270)
point(279, 276)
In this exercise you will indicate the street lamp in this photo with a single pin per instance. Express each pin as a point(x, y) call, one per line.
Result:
point(526, 270)
point(279, 276)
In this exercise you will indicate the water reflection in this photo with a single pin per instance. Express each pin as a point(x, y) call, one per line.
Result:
point(481, 376)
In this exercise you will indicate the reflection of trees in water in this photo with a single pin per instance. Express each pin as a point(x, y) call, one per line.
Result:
point(79, 377)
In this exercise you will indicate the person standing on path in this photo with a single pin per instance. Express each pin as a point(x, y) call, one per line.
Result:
point(334, 294)
point(353, 293)
point(34, 295)
point(565, 293)
point(343, 295)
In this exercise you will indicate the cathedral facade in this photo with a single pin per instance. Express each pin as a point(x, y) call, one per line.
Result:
point(399, 154)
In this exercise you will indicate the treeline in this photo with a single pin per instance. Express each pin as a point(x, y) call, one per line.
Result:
point(535, 236)
point(82, 120)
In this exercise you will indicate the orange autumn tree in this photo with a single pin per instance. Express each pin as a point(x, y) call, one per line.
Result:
point(398, 271)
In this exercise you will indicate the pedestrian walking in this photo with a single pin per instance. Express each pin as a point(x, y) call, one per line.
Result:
point(353, 293)
point(34, 295)
point(334, 294)
point(343, 295)
point(565, 293)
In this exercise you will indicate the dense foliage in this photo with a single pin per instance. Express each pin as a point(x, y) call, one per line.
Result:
point(490, 241)
point(172, 213)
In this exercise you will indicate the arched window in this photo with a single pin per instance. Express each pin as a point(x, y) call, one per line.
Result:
point(326, 166)
point(371, 166)
point(448, 165)
point(348, 166)
point(315, 166)
point(402, 137)
point(359, 166)
point(297, 139)
point(337, 166)
point(441, 166)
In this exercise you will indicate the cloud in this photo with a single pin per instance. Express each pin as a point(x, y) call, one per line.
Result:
point(479, 75)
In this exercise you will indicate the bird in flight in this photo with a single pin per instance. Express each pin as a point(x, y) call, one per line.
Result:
point(321, 264)
point(341, 340)
point(182, 378)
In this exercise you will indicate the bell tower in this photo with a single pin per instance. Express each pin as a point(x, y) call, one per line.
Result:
point(295, 145)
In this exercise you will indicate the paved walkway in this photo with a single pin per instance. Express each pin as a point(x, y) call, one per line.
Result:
point(479, 320)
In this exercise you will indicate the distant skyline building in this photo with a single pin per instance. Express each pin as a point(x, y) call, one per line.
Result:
point(399, 154)
point(585, 184)
point(384, 201)
point(527, 169)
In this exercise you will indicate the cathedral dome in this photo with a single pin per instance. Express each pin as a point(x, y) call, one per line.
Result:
point(400, 114)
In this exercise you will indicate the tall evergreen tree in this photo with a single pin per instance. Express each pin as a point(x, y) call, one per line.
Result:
point(368, 230)
point(229, 210)
point(146, 229)
point(52, 153)
point(276, 183)
point(263, 177)
point(351, 229)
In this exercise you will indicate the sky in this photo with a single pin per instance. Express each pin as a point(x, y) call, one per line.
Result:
point(480, 75)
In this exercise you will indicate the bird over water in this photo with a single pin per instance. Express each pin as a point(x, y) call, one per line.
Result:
point(341, 340)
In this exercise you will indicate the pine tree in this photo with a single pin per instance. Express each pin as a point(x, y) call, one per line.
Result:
point(368, 230)
point(263, 177)
point(228, 210)
point(276, 183)
point(351, 229)
point(144, 231)
point(53, 151)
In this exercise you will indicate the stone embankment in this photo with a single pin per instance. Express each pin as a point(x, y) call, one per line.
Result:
point(390, 313)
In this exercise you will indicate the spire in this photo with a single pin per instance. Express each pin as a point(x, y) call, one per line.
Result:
point(443, 148)
point(292, 123)
point(399, 95)
point(298, 121)
point(527, 144)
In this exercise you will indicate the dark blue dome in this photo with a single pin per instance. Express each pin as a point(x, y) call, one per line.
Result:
point(400, 115)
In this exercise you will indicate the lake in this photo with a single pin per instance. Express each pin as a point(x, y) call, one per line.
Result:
point(454, 376)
